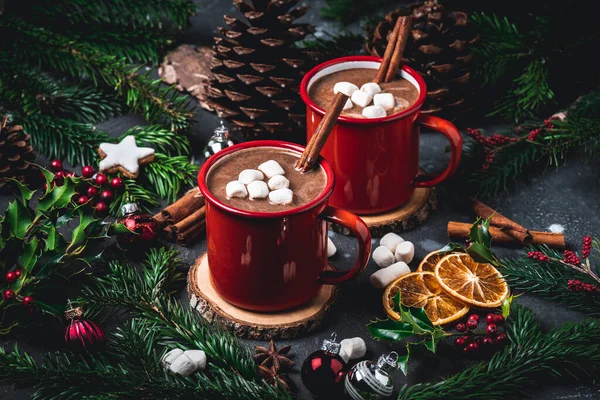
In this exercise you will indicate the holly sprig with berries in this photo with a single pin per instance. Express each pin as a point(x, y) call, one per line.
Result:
point(47, 238)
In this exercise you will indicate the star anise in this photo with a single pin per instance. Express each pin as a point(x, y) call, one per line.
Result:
point(278, 380)
point(273, 358)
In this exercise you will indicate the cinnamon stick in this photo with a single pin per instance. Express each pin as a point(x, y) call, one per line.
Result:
point(405, 25)
point(389, 51)
point(189, 203)
point(500, 221)
point(187, 236)
point(460, 230)
point(310, 155)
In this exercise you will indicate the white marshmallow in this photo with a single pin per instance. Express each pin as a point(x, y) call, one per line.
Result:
point(384, 100)
point(383, 257)
point(236, 189)
point(258, 190)
point(281, 196)
point(171, 356)
point(371, 87)
point(183, 365)
point(348, 104)
point(197, 356)
point(352, 349)
point(405, 251)
point(331, 249)
point(345, 87)
point(362, 99)
point(402, 102)
point(391, 240)
point(374, 112)
point(271, 168)
point(250, 175)
point(278, 182)
point(385, 276)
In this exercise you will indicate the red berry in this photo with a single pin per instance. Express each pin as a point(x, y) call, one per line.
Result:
point(45, 186)
point(8, 294)
point(56, 165)
point(92, 191)
point(87, 171)
point(498, 319)
point(474, 316)
point(501, 338)
point(11, 277)
point(460, 342)
point(461, 327)
point(18, 273)
point(82, 200)
point(101, 179)
point(116, 182)
point(487, 341)
point(59, 179)
point(472, 324)
point(473, 346)
point(101, 207)
point(490, 318)
point(69, 174)
point(106, 195)
point(27, 301)
point(491, 329)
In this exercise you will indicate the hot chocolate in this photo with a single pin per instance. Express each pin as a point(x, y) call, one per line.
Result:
point(322, 93)
point(304, 186)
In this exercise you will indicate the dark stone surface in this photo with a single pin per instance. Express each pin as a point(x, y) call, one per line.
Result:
point(568, 196)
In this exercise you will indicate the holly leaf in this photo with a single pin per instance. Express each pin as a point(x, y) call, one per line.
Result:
point(451, 248)
point(64, 219)
point(30, 257)
point(58, 196)
point(390, 330)
point(52, 238)
point(432, 342)
point(56, 310)
point(79, 234)
point(479, 232)
point(119, 229)
point(48, 176)
point(403, 361)
point(18, 219)
point(26, 194)
point(506, 305)
point(414, 316)
point(481, 254)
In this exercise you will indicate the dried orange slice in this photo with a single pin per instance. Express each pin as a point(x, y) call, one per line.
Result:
point(421, 289)
point(430, 261)
point(476, 284)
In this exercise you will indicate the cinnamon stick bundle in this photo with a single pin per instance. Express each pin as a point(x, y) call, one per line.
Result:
point(183, 220)
point(498, 220)
point(394, 50)
point(184, 231)
point(460, 230)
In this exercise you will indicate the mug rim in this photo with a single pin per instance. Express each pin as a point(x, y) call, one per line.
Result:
point(345, 119)
point(210, 197)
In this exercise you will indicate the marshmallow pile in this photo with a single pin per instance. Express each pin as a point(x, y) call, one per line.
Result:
point(184, 362)
point(392, 256)
point(251, 183)
point(369, 92)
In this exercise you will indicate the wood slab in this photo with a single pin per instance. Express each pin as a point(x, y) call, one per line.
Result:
point(408, 216)
point(287, 324)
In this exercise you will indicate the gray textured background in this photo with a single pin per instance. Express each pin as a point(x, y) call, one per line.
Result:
point(568, 196)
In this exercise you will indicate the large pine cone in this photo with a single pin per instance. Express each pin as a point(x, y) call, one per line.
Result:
point(258, 70)
point(439, 50)
point(16, 153)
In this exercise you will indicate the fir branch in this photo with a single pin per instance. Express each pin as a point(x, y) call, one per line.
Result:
point(569, 351)
point(169, 175)
point(133, 192)
point(348, 11)
point(160, 139)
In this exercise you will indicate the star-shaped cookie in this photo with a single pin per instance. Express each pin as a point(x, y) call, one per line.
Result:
point(125, 157)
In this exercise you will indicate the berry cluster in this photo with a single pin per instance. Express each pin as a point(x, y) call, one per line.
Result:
point(494, 140)
point(97, 188)
point(538, 255)
point(533, 135)
point(586, 247)
point(578, 286)
point(571, 258)
point(9, 294)
point(492, 339)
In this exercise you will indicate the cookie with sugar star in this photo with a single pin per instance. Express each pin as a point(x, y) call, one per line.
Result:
point(124, 157)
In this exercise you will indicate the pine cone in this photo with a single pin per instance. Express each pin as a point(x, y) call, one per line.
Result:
point(439, 50)
point(258, 70)
point(16, 153)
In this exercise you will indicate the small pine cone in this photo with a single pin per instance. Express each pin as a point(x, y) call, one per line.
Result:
point(16, 153)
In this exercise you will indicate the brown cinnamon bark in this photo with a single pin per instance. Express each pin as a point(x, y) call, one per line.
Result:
point(182, 208)
point(405, 25)
point(498, 220)
point(460, 230)
point(187, 236)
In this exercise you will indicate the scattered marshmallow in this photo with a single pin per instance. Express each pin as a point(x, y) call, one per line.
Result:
point(361, 98)
point(198, 357)
point(271, 168)
point(278, 182)
point(402, 102)
point(385, 276)
point(384, 100)
point(183, 365)
point(281, 196)
point(405, 252)
point(250, 175)
point(371, 87)
point(171, 356)
point(391, 241)
point(331, 249)
point(383, 257)
point(348, 105)
point(345, 87)
point(374, 112)
point(258, 190)
point(352, 349)
point(236, 189)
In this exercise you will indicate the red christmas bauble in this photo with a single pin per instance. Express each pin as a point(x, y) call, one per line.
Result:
point(56, 165)
point(92, 191)
point(323, 374)
point(100, 179)
point(27, 301)
point(83, 334)
point(11, 276)
point(116, 182)
point(106, 195)
point(143, 226)
point(87, 171)
point(101, 207)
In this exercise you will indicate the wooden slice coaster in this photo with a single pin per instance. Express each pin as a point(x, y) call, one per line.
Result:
point(287, 324)
point(408, 216)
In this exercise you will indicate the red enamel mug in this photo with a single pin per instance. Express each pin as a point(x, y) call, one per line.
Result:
point(274, 261)
point(376, 161)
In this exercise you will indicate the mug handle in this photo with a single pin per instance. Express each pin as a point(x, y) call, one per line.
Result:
point(447, 129)
point(360, 230)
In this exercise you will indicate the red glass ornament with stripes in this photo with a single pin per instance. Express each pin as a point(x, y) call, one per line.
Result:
point(83, 334)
